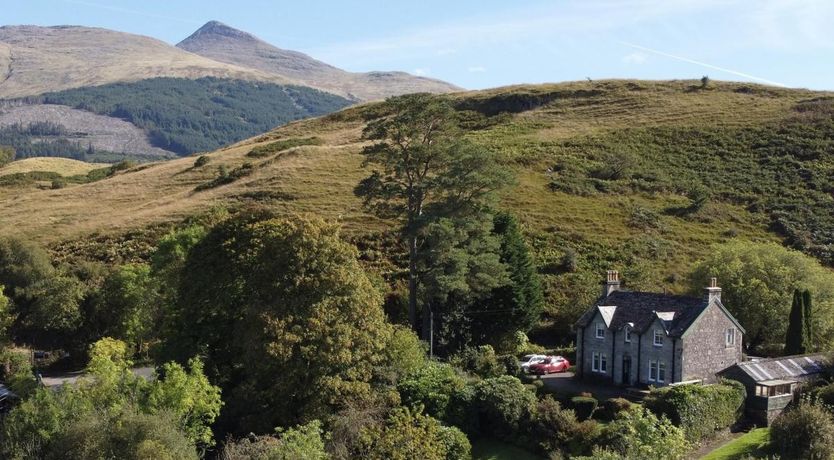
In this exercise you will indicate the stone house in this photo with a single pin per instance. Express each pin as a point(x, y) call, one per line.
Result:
point(634, 338)
point(772, 383)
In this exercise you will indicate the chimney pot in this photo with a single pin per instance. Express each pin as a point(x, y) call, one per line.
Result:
point(612, 283)
point(713, 291)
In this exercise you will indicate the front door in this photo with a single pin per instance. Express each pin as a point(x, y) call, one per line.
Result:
point(626, 370)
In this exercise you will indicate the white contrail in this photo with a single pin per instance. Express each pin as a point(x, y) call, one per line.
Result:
point(704, 64)
point(125, 10)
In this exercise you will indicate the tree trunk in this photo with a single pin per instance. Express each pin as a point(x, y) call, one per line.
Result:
point(412, 283)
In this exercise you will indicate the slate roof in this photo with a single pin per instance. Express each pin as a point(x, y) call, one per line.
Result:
point(640, 309)
point(785, 368)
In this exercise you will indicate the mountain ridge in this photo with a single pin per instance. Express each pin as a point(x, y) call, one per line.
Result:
point(44, 59)
point(227, 44)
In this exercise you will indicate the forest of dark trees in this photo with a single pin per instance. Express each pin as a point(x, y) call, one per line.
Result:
point(188, 116)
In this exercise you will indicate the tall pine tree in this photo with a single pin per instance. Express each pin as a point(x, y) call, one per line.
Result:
point(795, 338)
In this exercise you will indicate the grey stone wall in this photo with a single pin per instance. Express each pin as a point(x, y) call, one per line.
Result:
point(704, 349)
point(591, 344)
point(625, 349)
point(664, 353)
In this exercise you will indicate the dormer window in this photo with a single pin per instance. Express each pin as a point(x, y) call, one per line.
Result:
point(658, 338)
point(730, 337)
point(600, 331)
point(627, 335)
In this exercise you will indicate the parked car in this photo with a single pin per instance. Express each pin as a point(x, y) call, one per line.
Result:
point(529, 360)
point(550, 365)
point(7, 399)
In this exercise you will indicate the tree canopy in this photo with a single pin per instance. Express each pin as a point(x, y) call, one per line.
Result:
point(758, 282)
point(262, 297)
point(436, 183)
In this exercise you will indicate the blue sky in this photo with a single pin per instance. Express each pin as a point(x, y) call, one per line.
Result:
point(486, 43)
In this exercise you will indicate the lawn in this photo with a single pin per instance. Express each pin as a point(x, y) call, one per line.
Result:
point(755, 444)
point(489, 449)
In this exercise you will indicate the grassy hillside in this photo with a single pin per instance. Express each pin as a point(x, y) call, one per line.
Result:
point(62, 166)
point(639, 176)
point(187, 116)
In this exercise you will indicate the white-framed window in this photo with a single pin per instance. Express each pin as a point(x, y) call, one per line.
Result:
point(600, 332)
point(730, 337)
point(658, 338)
point(627, 335)
point(600, 362)
point(657, 371)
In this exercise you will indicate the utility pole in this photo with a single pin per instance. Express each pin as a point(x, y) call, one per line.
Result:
point(431, 333)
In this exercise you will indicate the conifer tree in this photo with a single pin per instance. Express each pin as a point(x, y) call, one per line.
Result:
point(808, 329)
point(795, 338)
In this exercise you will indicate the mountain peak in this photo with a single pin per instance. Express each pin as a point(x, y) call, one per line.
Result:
point(217, 29)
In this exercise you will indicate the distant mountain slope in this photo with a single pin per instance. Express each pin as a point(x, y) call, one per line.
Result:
point(34, 60)
point(220, 42)
point(187, 116)
point(84, 128)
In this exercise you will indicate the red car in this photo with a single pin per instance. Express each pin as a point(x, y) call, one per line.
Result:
point(551, 365)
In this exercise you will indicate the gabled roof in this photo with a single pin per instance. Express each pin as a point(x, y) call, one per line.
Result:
point(784, 368)
point(640, 309)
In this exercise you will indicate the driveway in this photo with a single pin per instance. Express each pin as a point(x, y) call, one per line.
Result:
point(53, 381)
point(565, 385)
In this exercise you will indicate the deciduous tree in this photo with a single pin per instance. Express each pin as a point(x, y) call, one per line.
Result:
point(758, 280)
point(263, 297)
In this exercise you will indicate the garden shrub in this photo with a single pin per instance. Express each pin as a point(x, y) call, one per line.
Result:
point(16, 371)
point(480, 361)
point(825, 394)
point(805, 431)
point(614, 406)
point(502, 406)
point(461, 411)
point(431, 386)
point(700, 410)
point(510, 364)
point(639, 434)
point(410, 434)
point(557, 429)
point(584, 406)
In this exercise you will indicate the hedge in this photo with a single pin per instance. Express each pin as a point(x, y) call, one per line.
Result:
point(584, 406)
point(700, 410)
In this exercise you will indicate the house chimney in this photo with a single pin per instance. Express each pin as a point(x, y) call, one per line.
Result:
point(713, 292)
point(612, 283)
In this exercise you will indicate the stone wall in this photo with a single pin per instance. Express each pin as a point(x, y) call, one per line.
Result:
point(650, 352)
point(591, 344)
point(704, 349)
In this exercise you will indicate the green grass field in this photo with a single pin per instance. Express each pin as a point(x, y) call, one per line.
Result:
point(753, 444)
